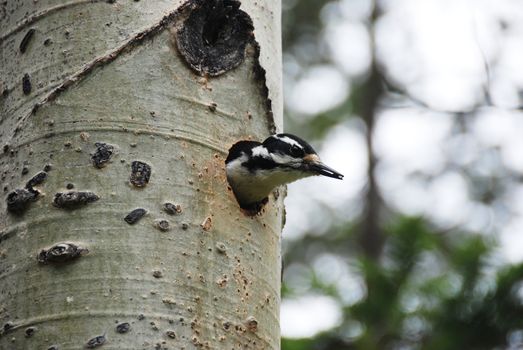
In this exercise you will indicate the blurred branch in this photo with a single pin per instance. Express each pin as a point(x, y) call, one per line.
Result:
point(371, 237)
point(486, 86)
point(397, 88)
point(486, 66)
point(393, 88)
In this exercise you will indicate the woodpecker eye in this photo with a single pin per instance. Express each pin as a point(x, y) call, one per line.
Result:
point(296, 151)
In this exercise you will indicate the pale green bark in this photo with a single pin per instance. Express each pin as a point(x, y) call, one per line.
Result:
point(152, 108)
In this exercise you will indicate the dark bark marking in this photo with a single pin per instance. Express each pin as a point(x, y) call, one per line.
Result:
point(140, 173)
point(170, 334)
point(8, 326)
point(73, 199)
point(25, 41)
point(96, 342)
point(60, 253)
point(102, 155)
point(213, 36)
point(252, 324)
point(134, 216)
point(36, 180)
point(172, 209)
point(19, 199)
point(221, 248)
point(26, 84)
point(162, 225)
point(123, 327)
point(30, 331)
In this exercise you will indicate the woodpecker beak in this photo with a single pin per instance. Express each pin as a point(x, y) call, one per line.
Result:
point(321, 169)
point(314, 165)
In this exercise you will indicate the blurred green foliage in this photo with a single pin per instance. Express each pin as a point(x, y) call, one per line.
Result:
point(429, 289)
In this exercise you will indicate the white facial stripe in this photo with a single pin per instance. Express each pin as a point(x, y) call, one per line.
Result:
point(288, 140)
point(238, 161)
point(235, 170)
point(260, 151)
point(285, 159)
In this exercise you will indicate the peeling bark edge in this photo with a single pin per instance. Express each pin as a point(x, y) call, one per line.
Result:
point(136, 40)
point(260, 77)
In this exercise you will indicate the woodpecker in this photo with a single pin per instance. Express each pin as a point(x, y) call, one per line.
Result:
point(254, 169)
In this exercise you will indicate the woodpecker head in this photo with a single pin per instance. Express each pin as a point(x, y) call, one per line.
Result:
point(254, 169)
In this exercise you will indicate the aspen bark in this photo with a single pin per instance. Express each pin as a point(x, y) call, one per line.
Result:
point(118, 228)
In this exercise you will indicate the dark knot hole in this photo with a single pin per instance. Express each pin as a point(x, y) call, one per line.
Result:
point(218, 22)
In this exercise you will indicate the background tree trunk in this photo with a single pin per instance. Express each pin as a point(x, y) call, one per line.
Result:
point(76, 75)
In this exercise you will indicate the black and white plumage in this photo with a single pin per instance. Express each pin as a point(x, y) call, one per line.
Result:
point(254, 169)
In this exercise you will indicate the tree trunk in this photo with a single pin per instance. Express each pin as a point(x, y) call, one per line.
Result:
point(103, 113)
point(371, 236)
